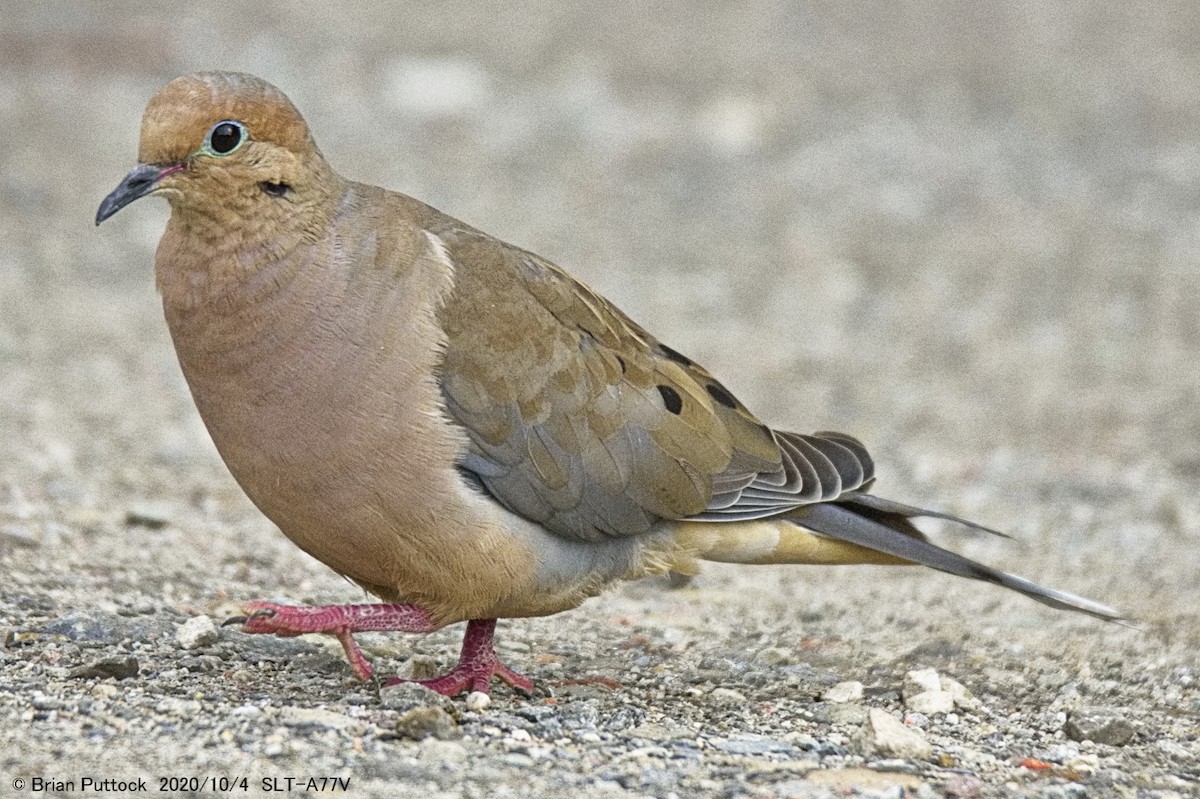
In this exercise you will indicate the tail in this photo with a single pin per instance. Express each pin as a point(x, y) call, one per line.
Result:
point(860, 528)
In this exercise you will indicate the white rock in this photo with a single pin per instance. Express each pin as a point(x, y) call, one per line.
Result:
point(478, 701)
point(196, 632)
point(884, 736)
point(930, 702)
point(848, 691)
point(920, 680)
point(962, 697)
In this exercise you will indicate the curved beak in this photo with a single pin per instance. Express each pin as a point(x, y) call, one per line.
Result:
point(140, 181)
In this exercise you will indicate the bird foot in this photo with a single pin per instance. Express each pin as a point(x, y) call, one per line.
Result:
point(340, 621)
point(475, 668)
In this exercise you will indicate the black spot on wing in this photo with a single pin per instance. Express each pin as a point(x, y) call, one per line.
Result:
point(722, 396)
point(671, 399)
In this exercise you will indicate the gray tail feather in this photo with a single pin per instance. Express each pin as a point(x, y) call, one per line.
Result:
point(873, 502)
point(883, 526)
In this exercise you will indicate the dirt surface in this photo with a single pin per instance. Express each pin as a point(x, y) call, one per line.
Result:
point(965, 232)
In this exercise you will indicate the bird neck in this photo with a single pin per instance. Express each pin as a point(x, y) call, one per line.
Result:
point(194, 269)
point(204, 262)
point(227, 242)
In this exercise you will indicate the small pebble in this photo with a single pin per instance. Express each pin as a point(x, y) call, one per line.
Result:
point(478, 701)
point(196, 632)
point(849, 691)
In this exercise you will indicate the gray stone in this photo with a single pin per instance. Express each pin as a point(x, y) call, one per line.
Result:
point(427, 722)
point(1099, 724)
point(122, 667)
point(885, 736)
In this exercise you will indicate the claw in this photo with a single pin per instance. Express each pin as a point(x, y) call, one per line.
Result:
point(261, 613)
point(476, 667)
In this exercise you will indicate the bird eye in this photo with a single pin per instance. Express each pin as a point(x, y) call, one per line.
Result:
point(225, 137)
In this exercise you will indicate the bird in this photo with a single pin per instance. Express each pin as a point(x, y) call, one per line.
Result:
point(454, 423)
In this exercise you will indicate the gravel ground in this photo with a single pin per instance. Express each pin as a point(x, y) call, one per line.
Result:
point(963, 231)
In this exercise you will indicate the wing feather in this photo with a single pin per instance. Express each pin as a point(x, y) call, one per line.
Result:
point(580, 420)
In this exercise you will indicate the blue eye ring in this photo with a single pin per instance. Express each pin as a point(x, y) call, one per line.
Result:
point(225, 137)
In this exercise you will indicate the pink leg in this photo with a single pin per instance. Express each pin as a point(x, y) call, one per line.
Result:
point(475, 668)
point(476, 665)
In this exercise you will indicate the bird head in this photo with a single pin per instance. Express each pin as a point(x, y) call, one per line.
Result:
point(223, 144)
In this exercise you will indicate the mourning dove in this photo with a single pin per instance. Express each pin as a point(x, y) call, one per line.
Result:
point(456, 424)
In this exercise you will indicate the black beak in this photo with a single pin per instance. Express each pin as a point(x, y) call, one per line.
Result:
point(140, 181)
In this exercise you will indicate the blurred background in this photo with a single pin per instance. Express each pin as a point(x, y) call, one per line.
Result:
point(966, 232)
